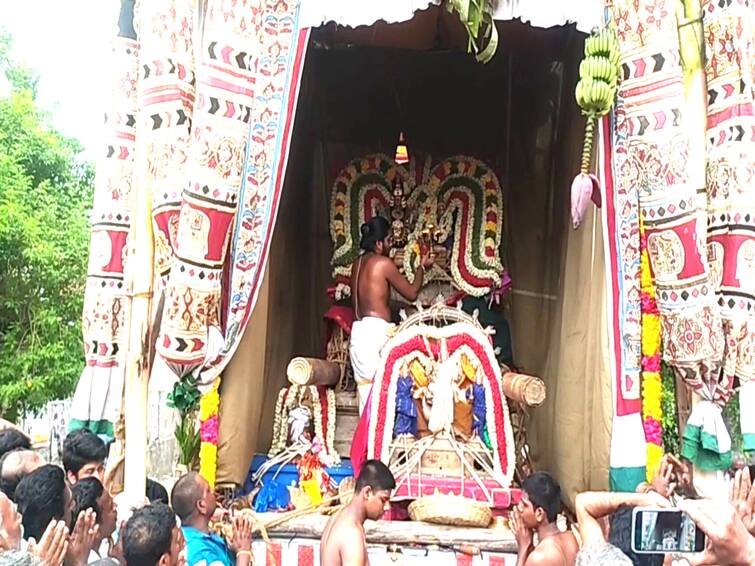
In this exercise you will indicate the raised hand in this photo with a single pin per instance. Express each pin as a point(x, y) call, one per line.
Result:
point(242, 533)
point(53, 546)
point(663, 481)
point(83, 538)
point(522, 534)
point(729, 541)
point(10, 520)
point(742, 496)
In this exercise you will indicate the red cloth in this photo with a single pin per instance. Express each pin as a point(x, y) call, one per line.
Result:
point(358, 453)
point(342, 316)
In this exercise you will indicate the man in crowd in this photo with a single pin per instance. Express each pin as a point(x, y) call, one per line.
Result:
point(152, 538)
point(41, 497)
point(194, 503)
point(537, 513)
point(14, 466)
point(84, 456)
point(343, 542)
point(89, 494)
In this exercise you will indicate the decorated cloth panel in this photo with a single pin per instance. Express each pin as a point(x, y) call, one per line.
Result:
point(247, 85)
point(653, 160)
point(100, 389)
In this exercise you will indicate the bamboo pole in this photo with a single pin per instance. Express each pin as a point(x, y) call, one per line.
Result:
point(692, 51)
point(139, 279)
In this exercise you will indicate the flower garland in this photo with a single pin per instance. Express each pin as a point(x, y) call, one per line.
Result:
point(330, 433)
point(349, 192)
point(652, 386)
point(412, 343)
point(279, 440)
point(475, 263)
point(208, 433)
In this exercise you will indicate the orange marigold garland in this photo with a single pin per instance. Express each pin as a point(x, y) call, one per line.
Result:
point(208, 433)
point(652, 385)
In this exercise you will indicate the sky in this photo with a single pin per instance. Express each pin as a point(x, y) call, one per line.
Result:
point(67, 43)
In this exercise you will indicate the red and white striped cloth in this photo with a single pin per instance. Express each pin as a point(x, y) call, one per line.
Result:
point(306, 552)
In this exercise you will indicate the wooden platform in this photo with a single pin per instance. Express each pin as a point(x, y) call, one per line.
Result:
point(403, 533)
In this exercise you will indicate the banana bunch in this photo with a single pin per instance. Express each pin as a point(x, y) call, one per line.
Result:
point(599, 73)
point(595, 93)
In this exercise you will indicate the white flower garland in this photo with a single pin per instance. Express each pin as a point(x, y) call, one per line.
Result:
point(330, 435)
point(277, 445)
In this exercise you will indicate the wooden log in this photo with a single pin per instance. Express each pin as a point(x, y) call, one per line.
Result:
point(526, 389)
point(497, 539)
point(313, 371)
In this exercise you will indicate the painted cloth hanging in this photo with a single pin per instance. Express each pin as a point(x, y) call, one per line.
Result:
point(656, 161)
point(621, 229)
point(100, 389)
point(166, 103)
point(247, 82)
point(729, 32)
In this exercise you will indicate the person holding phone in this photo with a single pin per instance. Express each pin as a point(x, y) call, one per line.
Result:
point(614, 545)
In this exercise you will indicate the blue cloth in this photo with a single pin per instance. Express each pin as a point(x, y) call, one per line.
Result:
point(406, 408)
point(207, 547)
point(479, 410)
point(273, 496)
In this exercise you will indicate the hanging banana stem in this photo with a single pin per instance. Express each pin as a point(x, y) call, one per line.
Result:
point(587, 145)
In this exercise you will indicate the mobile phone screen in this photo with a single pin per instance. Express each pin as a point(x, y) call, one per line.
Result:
point(664, 531)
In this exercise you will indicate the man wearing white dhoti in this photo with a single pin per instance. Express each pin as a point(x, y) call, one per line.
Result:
point(372, 277)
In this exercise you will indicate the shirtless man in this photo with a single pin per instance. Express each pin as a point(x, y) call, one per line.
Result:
point(342, 542)
point(537, 512)
point(372, 277)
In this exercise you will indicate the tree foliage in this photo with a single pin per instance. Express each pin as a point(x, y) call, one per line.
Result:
point(45, 193)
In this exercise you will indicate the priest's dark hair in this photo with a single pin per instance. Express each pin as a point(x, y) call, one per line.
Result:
point(376, 475)
point(544, 492)
point(375, 230)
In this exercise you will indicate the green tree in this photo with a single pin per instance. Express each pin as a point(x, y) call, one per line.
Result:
point(45, 193)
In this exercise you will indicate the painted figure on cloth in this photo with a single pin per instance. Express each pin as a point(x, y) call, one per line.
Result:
point(373, 275)
point(343, 542)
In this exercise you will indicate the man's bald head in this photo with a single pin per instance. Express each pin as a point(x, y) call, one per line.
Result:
point(187, 492)
point(15, 466)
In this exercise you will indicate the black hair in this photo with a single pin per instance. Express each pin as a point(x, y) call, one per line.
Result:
point(376, 475)
point(545, 492)
point(86, 495)
point(185, 494)
point(147, 534)
point(620, 535)
point(82, 447)
point(41, 498)
point(13, 439)
point(156, 493)
point(375, 230)
point(10, 476)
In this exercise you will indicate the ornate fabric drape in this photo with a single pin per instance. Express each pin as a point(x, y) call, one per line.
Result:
point(699, 248)
point(208, 130)
point(100, 390)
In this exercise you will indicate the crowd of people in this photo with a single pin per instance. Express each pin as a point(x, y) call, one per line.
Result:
point(53, 516)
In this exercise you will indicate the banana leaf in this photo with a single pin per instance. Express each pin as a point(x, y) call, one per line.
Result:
point(477, 19)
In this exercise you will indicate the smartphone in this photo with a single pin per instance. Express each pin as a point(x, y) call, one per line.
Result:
point(665, 531)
